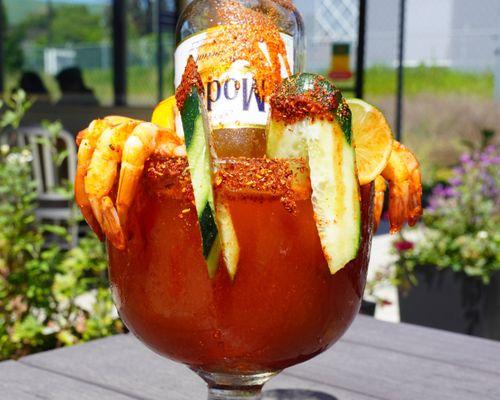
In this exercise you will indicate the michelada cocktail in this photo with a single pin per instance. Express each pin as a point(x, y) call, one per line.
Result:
point(239, 220)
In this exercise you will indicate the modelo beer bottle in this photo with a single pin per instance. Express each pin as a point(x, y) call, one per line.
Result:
point(243, 50)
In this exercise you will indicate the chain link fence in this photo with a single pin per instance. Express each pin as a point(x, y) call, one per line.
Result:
point(452, 52)
point(451, 66)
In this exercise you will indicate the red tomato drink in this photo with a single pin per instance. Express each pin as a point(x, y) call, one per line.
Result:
point(283, 306)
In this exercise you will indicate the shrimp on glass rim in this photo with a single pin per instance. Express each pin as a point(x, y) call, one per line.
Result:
point(381, 158)
point(402, 173)
point(113, 150)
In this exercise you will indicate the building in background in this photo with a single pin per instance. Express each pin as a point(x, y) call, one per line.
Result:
point(475, 34)
point(326, 22)
point(460, 34)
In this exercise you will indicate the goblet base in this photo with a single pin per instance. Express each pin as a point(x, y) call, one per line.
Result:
point(235, 386)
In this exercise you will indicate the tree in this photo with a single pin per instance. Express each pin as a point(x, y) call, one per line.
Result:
point(70, 24)
point(76, 24)
point(140, 17)
point(14, 57)
point(12, 39)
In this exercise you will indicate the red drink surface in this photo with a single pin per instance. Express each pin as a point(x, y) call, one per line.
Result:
point(283, 306)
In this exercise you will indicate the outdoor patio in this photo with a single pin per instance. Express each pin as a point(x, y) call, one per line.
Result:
point(374, 360)
point(430, 325)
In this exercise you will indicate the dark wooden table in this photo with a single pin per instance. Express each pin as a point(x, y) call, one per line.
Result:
point(374, 360)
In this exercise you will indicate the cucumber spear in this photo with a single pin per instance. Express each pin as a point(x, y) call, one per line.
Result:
point(310, 119)
point(216, 227)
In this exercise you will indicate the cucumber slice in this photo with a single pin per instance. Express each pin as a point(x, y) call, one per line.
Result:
point(323, 136)
point(303, 97)
point(198, 150)
point(284, 140)
point(196, 131)
point(335, 192)
point(229, 240)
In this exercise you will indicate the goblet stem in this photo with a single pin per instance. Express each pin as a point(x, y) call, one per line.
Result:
point(235, 386)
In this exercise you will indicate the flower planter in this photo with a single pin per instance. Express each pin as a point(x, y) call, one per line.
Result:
point(454, 302)
point(368, 308)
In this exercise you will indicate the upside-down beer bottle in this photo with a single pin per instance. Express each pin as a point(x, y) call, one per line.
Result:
point(243, 49)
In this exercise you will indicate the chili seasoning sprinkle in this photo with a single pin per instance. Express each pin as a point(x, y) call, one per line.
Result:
point(168, 175)
point(241, 36)
point(190, 78)
point(305, 95)
point(236, 178)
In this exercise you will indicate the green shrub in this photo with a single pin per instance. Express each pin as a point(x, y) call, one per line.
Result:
point(461, 223)
point(49, 297)
point(460, 229)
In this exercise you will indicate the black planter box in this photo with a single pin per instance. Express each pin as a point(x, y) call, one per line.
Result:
point(454, 302)
point(367, 308)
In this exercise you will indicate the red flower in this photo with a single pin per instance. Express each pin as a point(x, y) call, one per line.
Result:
point(403, 245)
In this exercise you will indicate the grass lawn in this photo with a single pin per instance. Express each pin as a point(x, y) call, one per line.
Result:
point(142, 85)
point(381, 81)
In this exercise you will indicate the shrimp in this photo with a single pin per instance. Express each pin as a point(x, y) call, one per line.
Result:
point(380, 188)
point(86, 141)
point(145, 138)
point(405, 187)
point(107, 146)
point(102, 172)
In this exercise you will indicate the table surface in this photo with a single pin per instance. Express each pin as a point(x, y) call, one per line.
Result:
point(374, 360)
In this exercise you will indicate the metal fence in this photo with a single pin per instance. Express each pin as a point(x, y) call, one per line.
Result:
point(95, 60)
point(51, 60)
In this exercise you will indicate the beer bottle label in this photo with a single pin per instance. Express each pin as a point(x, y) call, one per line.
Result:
point(237, 76)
